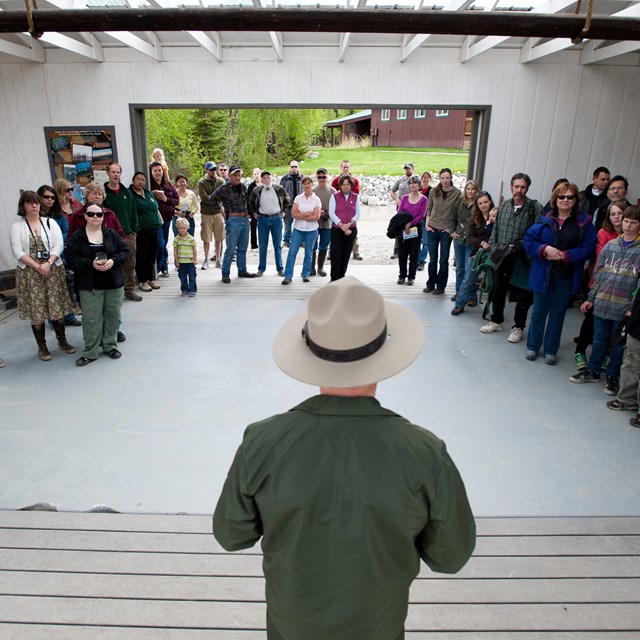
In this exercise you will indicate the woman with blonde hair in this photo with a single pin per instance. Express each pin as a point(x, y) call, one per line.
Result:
point(461, 248)
point(64, 191)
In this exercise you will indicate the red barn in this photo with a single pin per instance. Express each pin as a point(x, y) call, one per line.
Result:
point(413, 128)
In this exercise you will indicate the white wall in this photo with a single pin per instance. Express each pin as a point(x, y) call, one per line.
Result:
point(549, 120)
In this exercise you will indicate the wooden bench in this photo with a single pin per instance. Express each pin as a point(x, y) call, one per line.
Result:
point(71, 576)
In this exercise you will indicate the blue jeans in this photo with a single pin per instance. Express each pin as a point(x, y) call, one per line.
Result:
point(237, 238)
point(462, 253)
point(299, 238)
point(192, 226)
point(439, 243)
point(269, 225)
point(547, 316)
point(162, 255)
point(187, 274)
point(424, 251)
point(603, 330)
point(469, 289)
point(288, 221)
point(324, 240)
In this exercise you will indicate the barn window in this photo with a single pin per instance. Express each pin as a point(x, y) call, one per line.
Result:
point(420, 114)
point(385, 114)
point(401, 114)
point(442, 113)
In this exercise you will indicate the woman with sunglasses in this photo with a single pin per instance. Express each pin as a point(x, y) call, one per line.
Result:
point(558, 245)
point(64, 191)
point(41, 287)
point(96, 254)
point(52, 208)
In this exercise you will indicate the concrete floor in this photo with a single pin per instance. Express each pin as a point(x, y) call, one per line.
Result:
point(155, 431)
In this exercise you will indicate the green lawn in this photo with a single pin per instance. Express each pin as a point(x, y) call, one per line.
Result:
point(381, 160)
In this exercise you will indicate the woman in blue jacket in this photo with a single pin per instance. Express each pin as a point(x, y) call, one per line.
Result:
point(558, 245)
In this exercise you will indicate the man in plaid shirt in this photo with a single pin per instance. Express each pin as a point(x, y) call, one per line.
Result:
point(514, 218)
point(233, 197)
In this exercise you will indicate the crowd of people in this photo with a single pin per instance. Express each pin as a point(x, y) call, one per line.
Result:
point(77, 258)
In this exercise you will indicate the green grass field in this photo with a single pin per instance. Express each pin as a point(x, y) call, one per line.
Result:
point(371, 161)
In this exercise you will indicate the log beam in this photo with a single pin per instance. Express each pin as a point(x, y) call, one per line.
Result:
point(488, 23)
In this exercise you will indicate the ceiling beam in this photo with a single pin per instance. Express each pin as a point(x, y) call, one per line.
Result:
point(209, 41)
point(274, 36)
point(33, 53)
point(489, 23)
point(591, 55)
point(345, 38)
point(151, 50)
point(531, 53)
point(411, 44)
point(90, 51)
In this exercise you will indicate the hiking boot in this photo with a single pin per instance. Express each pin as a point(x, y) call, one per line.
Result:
point(456, 311)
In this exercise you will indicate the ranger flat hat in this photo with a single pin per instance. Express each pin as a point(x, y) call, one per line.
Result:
point(348, 336)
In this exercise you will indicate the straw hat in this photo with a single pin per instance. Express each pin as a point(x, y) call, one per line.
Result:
point(348, 336)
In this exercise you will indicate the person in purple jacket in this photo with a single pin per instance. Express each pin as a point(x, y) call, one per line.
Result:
point(414, 203)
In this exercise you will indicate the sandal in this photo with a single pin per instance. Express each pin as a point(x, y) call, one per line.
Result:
point(618, 405)
point(635, 421)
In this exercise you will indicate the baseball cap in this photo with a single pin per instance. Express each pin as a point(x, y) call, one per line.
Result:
point(234, 168)
point(210, 166)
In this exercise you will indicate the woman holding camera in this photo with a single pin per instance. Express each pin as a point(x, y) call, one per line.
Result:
point(41, 286)
point(96, 254)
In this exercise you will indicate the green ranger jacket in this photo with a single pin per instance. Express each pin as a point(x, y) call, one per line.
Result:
point(347, 497)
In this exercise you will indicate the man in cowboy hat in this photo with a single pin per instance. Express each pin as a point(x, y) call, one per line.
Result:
point(347, 496)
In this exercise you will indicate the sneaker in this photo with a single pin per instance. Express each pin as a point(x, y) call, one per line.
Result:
point(437, 292)
point(153, 284)
point(143, 286)
point(400, 281)
point(611, 385)
point(226, 279)
point(394, 256)
point(121, 337)
point(421, 266)
point(605, 363)
point(454, 297)
point(492, 327)
point(259, 274)
point(618, 405)
point(357, 256)
point(164, 274)
point(205, 264)
point(218, 264)
point(635, 421)
point(531, 355)
point(281, 273)
point(550, 360)
point(428, 290)
point(131, 295)
point(184, 294)
point(192, 294)
point(410, 282)
point(515, 335)
point(286, 281)
point(581, 361)
point(586, 375)
point(305, 279)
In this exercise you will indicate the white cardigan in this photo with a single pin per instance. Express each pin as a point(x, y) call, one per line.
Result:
point(51, 238)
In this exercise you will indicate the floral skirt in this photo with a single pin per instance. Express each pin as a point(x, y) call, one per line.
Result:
point(40, 298)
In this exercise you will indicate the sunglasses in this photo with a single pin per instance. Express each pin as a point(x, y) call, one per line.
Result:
point(94, 214)
point(48, 197)
point(293, 166)
point(322, 177)
point(566, 197)
point(70, 190)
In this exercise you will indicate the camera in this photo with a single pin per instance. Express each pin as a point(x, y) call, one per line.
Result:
point(43, 255)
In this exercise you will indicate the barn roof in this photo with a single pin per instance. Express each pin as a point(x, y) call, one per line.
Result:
point(354, 117)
